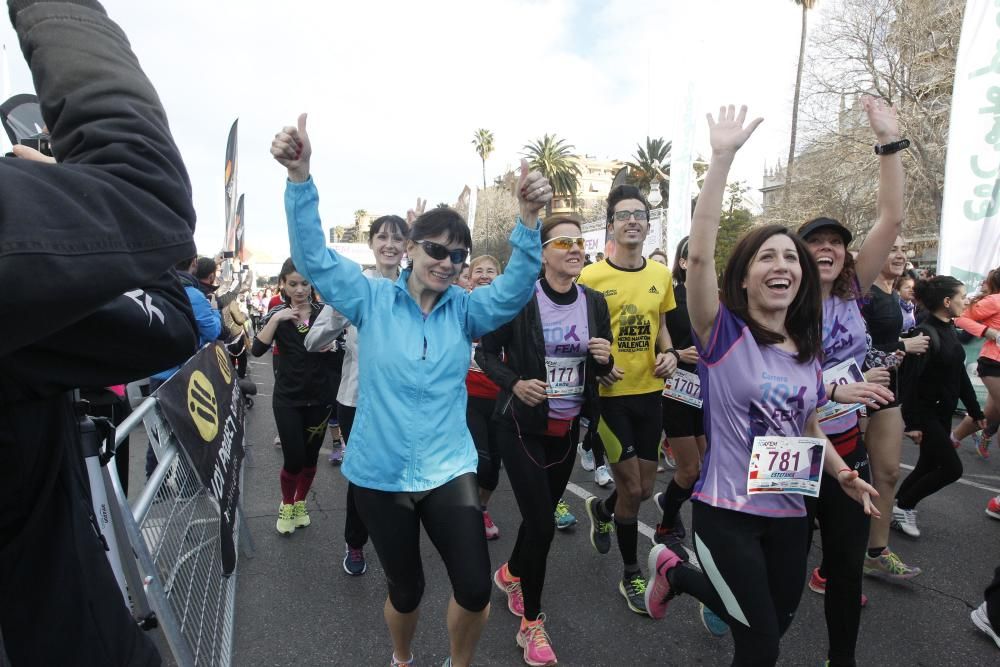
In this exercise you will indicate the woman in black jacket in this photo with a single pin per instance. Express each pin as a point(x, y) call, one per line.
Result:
point(555, 348)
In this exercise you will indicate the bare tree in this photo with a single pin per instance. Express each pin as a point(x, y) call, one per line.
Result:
point(496, 209)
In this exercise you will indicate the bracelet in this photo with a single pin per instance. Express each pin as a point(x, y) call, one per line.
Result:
point(845, 470)
point(674, 352)
point(891, 147)
point(833, 392)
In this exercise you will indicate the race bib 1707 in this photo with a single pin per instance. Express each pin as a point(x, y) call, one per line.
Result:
point(684, 387)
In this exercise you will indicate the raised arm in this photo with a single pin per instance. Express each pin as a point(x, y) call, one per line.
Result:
point(889, 225)
point(727, 135)
point(336, 277)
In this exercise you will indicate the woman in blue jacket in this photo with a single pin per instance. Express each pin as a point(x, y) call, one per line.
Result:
point(412, 458)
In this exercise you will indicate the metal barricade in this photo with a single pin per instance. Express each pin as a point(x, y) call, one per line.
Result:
point(173, 529)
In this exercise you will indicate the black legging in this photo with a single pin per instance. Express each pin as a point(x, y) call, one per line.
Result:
point(479, 415)
point(301, 430)
point(938, 464)
point(591, 443)
point(450, 514)
point(844, 535)
point(355, 532)
point(761, 561)
point(538, 467)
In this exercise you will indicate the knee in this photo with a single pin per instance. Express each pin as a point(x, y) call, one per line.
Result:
point(687, 474)
point(474, 596)
point(887, 475)
point(405, 598)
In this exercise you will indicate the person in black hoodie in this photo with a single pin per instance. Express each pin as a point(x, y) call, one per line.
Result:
point(932, 385)
point(555, 348)
point(89, 242)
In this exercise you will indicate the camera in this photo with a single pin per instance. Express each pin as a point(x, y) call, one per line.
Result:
point(40, 142)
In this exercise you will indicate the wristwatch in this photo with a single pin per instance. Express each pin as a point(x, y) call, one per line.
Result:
point(674, 352)
point(893, 147)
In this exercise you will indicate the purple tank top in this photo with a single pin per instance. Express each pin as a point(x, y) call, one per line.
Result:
point(567, 335)
point(844, 337)
point(749, 390)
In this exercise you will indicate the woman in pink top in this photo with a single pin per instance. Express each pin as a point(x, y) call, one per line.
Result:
point(982, 318)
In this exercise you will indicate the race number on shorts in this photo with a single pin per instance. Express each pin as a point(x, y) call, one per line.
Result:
point(684, 387)
point(564, 375)
point(786, 465)
point(841, 374)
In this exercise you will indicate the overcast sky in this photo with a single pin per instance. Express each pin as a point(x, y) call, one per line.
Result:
point(395, 89)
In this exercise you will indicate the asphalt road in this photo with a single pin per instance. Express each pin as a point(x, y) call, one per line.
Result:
point(296, 605)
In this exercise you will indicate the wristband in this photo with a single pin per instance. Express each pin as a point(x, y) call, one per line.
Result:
point(892, 147)
point(845, 470)
point(833, 392)
point(674, 352)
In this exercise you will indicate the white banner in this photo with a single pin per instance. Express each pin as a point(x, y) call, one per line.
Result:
point(970, 219)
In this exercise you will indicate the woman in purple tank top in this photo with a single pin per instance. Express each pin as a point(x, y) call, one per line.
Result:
point(759, 344)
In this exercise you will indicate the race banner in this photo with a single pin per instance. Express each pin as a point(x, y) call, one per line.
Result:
point(970, 218)
point(205, 409)
point(238, 224)
point(230, 189)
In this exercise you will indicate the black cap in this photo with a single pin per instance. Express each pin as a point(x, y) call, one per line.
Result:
point(825, 223)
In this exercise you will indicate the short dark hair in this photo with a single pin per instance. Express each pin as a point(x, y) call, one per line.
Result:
point(206, 268)
point(680, 274)
point(933, 291)
point(438, 221)
point(805, 314)
point(625, 192)
point(394, 222)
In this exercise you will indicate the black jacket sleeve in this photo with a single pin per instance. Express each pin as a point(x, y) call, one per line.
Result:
point(602, 318)
point(490, 359)
point(968, 396)
point(116, 212)
point(909, 382)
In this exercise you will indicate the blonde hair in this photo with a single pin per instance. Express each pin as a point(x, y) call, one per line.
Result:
point(481, 259)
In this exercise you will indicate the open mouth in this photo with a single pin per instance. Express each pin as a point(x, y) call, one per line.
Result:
point(779, 284)
point(824, 262)
point(440, 275)
point(483, 281)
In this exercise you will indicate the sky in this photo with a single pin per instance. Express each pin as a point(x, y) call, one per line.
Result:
point(396, 89)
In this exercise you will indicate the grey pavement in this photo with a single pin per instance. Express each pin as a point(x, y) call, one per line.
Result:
point(296, 605)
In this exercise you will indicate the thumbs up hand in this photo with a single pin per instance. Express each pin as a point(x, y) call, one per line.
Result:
point(291, 148)
point(533, 193)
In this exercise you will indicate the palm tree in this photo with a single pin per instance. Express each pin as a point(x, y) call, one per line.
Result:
point(555, 159)
point(483, 141)
point(359, 215)
point(806, 6)
point(648, 164)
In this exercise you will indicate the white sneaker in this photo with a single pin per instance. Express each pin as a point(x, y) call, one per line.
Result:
point(982, 621)
point(905, 521)
point(586, 457)
point(602, 477)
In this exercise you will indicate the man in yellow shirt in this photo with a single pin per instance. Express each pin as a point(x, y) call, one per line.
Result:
point(639, 294)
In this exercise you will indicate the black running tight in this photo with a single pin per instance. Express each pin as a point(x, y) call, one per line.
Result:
point(937, 466)
point(302, 430)
point(355, 533)
point(479, 415)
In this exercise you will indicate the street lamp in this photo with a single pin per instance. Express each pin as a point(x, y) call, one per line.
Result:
point(655, 199)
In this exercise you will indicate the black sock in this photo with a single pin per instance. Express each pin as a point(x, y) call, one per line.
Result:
point(608, 505)
point(875, 552)
point(673, 498)
point(627, 531)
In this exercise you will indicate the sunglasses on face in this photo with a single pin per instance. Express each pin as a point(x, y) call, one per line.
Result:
point(439, 252)
point(566, 242)
point(624, 216)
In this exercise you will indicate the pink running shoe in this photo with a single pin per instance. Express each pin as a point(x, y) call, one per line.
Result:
point(533, 638)
point(993, 507)
point(492, 532)
point(658, 593)
point(512, 587)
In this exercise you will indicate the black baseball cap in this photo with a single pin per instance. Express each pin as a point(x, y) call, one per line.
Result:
point(825, 223)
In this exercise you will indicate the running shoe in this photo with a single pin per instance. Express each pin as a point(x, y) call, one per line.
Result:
point(817, 584)
point(337, 454)
point(586, 457)
point(300, 515)
point(658, 592)
point(715, 625)
point(286, 519)
point(492, 532)
point(905, 521)
point(888, 566)
point(982, 621)
point(602, 477)
point(668, 455)
point(277, 441)
point(446, 663)
point(396, 662)
point(671, 539)
point(633, 589)
point(982, 443)
point(533, 638)
point(600, 531)
point(660, 499)
point(511, 587)
point(564, 518)
point(993, 507)
point(354, 563)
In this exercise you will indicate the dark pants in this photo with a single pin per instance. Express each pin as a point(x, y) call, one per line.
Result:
point(479, 416)
point(355, 532)
point(992, 597)
point(938, 464)
point(59, 601)
point(302, 431)
point(844, 535)
point(762, 562)
point(450, 514)
point(538, 467)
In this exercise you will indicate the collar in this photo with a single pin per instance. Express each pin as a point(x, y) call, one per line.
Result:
point(401, 285)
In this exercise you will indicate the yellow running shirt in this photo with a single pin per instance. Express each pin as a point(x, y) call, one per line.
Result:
point(636, 298)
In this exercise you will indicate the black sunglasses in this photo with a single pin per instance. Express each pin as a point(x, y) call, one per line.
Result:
point(439, 252)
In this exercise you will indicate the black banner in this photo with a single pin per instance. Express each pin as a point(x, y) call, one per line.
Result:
point(203, 404)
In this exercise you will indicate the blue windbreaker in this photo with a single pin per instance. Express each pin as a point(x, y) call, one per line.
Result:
point(410, 432)
point(208, 318)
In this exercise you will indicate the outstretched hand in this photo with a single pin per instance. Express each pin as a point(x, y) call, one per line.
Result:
point(727, 134)
point(417, 211)
point(882, 118)
point(859, 490)
point(533, 193)
point(291, 148)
